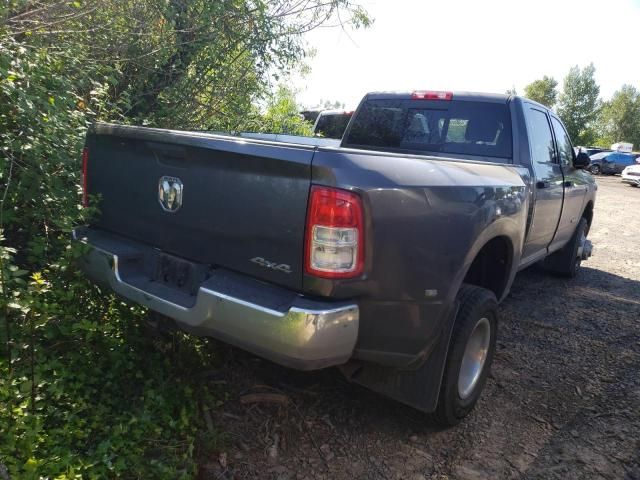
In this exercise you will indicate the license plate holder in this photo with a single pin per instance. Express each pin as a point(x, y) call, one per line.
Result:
point(174, 272)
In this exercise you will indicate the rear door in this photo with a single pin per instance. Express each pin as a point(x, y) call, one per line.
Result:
point(549, 190)
point(239, 204)
point(575, 185)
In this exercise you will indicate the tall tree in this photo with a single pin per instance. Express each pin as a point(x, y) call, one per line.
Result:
point(542, 91)
point(178, 63)
point(578, 104)
point(328, 104)
point(620, 117)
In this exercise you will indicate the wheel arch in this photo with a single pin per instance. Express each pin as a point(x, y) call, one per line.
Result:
point(492, 266)
point(587, 213)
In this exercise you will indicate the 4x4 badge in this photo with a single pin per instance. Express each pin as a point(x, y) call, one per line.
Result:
point(170, 193)
point(281, 267)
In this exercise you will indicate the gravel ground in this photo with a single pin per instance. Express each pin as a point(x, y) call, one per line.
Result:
point(563, 399)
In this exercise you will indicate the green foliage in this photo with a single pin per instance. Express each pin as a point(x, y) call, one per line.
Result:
point(542, 91)
point(578, 104)
point(620, 118)
point(84, 392)
point(280, 116)
point(88, 395)
point(40, 138)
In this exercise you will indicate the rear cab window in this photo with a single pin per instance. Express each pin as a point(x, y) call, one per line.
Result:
point(463, 127)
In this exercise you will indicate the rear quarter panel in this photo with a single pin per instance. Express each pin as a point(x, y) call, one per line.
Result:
point(426, 219)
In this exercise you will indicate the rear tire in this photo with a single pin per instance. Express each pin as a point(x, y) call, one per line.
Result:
point(566, 262)
point(471, 351)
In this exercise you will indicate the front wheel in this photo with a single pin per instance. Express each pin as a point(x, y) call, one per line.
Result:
point(471, 351)
point(594, 169)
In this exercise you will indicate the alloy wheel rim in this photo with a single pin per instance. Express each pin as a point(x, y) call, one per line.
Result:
point(474, 358)
point(583, 239)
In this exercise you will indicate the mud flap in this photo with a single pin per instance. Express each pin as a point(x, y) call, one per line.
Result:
point(418, 387)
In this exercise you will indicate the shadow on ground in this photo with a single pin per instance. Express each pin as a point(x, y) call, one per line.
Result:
point(560, 401)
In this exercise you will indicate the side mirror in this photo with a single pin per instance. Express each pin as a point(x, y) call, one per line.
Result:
point(582, 160)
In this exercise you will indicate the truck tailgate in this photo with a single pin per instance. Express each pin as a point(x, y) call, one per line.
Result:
point(243, 202)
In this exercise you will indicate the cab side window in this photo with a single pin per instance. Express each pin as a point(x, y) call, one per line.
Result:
point(542, 150)
point(565, 149)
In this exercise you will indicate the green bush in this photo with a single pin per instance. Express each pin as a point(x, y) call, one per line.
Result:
point(84, 392)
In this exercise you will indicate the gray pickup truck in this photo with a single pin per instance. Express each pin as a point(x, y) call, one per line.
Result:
point(385, 253)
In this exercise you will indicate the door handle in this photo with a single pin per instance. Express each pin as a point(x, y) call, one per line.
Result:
point(543, 184)
point(568, 184)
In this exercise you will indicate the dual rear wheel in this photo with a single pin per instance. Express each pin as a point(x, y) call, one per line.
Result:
point(471, 352)
point(473, 342)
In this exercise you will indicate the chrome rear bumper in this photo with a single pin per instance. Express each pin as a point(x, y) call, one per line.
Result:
point(293, 331)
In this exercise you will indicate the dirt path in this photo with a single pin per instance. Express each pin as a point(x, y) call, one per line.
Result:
point(563, 400)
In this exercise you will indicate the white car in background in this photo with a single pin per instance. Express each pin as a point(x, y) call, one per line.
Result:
point(631, 175)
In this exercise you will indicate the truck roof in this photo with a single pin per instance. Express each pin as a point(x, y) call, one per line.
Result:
point(465, 96)
point(335, 111)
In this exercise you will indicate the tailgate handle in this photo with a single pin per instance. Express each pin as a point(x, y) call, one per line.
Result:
point(169, 154)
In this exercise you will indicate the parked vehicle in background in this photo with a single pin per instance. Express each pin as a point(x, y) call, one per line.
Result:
point(631, 175)
point(610, 163)
point(595, 167)
point(332, 123)
point(385, 254)
point(615, 163)
point(310, 115)
point(622, 147)
point(593, 150)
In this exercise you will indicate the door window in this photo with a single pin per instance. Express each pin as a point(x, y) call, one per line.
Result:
point(540, 138)
point(565, 149)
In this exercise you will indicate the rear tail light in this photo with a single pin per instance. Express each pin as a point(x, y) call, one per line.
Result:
point(431, 95)
point(335, 234)
point(85, 165)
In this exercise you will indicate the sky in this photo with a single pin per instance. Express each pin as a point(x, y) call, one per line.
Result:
point(484, 46)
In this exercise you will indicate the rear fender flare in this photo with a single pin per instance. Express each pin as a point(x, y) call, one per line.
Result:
point(505, 227)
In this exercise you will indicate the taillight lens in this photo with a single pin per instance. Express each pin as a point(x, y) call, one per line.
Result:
point(335, 234)
point(85, 165)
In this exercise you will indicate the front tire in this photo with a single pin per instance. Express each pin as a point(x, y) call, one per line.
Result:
point(470, 355)
point(594, 169)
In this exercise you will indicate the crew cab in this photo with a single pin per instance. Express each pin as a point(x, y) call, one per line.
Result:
point(385, 253)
